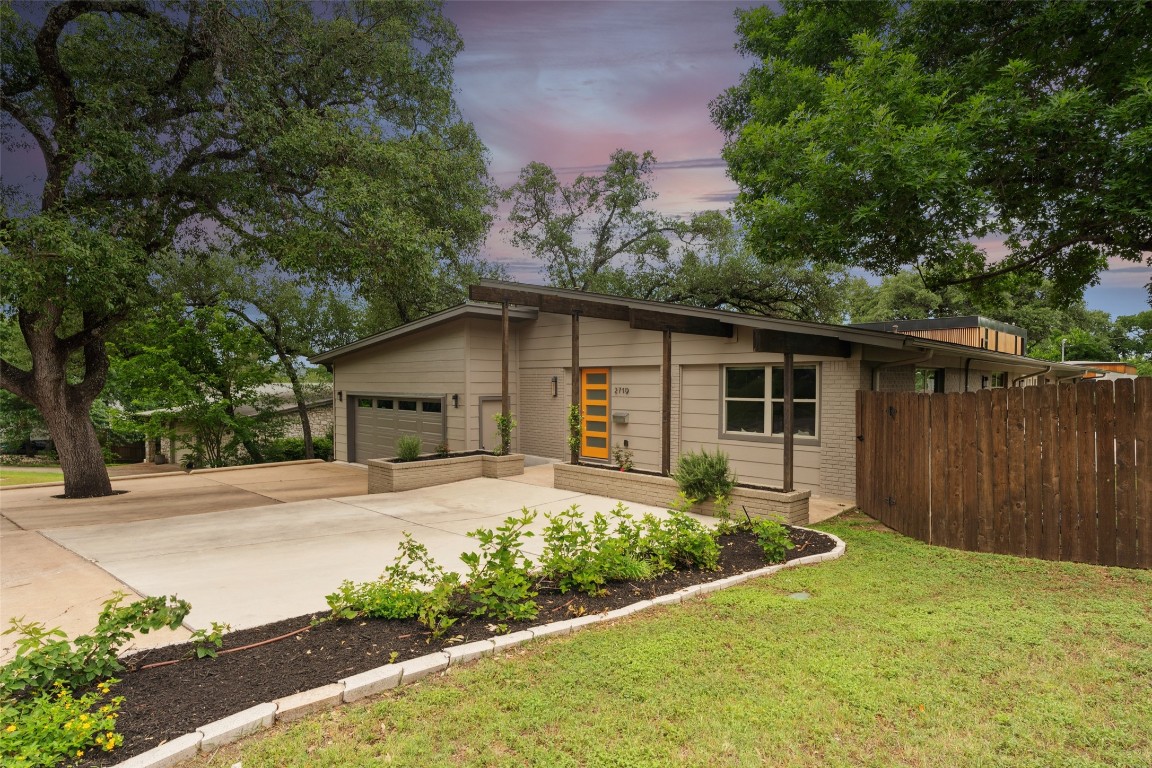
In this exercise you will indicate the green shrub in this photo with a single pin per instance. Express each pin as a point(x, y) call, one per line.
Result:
point(396, 594)
point(438, 607)
point(575, 429)
point(499, 579)
point(623, 457)
point(56, 727)
point(408, 447)
point(679, 541)
point(46, 656)
point(584, 557)
point(704, 475)
point(504, 427)
point(773, 539)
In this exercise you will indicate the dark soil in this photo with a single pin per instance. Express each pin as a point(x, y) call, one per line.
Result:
point(164, 702)
point(434, 456)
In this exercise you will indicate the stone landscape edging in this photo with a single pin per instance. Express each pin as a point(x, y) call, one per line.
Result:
point(374, 681)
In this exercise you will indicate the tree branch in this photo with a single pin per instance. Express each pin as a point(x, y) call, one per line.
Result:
point(1046, 253)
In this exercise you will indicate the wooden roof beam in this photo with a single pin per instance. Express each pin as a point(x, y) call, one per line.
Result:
point(764, 340)
point(649, 320)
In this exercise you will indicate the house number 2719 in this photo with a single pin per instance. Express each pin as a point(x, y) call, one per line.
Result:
point(620, 391)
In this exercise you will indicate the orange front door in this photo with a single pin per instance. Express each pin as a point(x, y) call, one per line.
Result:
point(594, 413)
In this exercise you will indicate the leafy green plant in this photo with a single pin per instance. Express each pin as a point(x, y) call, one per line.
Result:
point(46, 656)
point(575, 429)
point(773, 539)
point(500, 575)
point(396, 594)
point(408, 447)
point(504, 426)
point(206, 643)
point(679, 541)
point(438, 606)
point(623, 457)
point(55, 726)
point(442, 450)
point(583, 556)
point(704, 475)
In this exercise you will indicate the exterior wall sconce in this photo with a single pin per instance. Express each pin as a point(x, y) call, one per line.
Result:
point(340, 395)
point(455, 401)
point(555, 385)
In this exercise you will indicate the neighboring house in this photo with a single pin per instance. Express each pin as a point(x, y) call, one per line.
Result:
point(1106, 369)
point(177, 444)
point(660, 379)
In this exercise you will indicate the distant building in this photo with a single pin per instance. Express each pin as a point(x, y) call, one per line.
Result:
point(971, 331)
point(1106, 370)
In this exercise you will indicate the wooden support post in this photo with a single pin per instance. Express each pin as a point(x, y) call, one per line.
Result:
point(666, 407)
point(576, 374)
point(789, 437)
point(505, 405)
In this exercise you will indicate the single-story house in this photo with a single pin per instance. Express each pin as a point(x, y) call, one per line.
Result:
point(277, 406)
point(657, 379)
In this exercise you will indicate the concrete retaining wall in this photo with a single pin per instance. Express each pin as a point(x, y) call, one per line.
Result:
point(791, 508)
point(388, 477)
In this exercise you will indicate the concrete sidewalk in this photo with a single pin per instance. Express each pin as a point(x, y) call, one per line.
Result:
point(246, 546)
point(42, 581)
point(254, 566)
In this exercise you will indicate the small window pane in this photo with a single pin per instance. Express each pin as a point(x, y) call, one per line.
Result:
point(597, 410)
point(744, 417)
point(597, 426)
point(386, 404)
point(596, 442)
point(407, 405)
point(430, 406)
point(364, 402)
point(596, 378)
point(803, 383)
point(803, 419)
point(744, 382)
point(597, 394)
point(804, 387)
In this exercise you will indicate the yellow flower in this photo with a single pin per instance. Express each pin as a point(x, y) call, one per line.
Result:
point(111, 735)
point(10, 728)
point(68, 725)
point(79, 753)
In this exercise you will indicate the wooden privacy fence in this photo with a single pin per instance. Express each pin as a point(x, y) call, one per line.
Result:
point(1059, 472)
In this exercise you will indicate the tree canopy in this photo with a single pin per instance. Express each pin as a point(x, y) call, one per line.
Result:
point(322, 136)
point(595, 234)
point(890, 135)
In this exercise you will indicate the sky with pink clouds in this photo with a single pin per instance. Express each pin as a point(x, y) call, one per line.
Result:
point(566, 82)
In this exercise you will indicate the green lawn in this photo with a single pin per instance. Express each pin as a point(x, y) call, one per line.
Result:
point(17, 476)
point(905, 655)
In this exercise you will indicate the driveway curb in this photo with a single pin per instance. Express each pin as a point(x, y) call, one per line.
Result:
point(373, 681)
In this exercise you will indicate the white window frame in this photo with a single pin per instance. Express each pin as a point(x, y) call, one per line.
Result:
point(768, 400)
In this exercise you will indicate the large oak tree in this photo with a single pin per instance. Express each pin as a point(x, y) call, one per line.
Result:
point(597, 234)
point(890, 134)
point(324, 136)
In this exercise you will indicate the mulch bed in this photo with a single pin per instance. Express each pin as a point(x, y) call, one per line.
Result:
point(162, 703)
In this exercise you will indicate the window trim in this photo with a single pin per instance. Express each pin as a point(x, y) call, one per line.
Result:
point(768, 400)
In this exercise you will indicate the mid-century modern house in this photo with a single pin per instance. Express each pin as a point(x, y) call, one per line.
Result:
point(658, 379)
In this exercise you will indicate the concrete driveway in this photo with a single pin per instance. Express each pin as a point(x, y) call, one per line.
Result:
point(251, 565)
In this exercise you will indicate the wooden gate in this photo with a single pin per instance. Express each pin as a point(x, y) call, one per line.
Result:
point(1059, 472)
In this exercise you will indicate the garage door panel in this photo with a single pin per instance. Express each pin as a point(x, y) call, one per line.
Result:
point(380, 420)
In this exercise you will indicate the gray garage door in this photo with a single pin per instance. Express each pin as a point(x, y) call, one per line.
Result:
point(380, 420)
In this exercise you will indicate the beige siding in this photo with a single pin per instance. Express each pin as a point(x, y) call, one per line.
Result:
point(426, 363)
point(761, 463)
point(484, 354)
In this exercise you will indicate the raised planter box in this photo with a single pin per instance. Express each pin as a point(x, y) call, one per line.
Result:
point(386, 476)
point(791, 507)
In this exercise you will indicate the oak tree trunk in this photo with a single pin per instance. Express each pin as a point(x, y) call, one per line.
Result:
point(65, 406)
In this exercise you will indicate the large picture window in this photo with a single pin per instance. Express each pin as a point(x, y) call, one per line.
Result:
point(754, 400)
